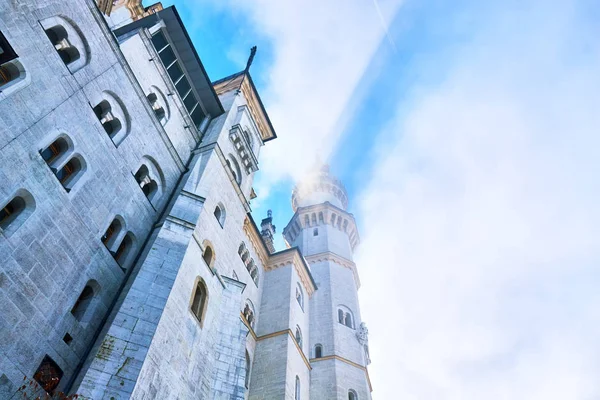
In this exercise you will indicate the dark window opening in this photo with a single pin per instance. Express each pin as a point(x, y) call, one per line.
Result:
point(48, 375)
point(199, 301)
point(83, 302)
point(11, 211)
point(67, 338)
point(318, 351)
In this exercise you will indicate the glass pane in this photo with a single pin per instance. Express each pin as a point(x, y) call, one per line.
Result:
point(167, 56)
point(198, 116)
point(183, 86)
point(190, 101)
point(159, 41)
point(175, 72)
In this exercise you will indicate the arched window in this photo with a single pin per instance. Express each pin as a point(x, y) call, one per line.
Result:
point(245, 256)
point(345, 316)
point(151, 180)
point(70, 172)
point(299, 336)
point(159, 105)
point(148, 185)
point(300, 296)
point(314, 218)
point(297, 389)
point(11, 69)
point(124, 250)
point(199, 300)
point(68, 42)
point(249, 313)
point(14, 213)
point(321, 217)
point(352, 395)
point(112, 233)
point(234, 167)
point(110, 122)
point(242, 248)
point(348, 320)
point(208, 256)
point(53, 153)
point(318, 351)
point(220, 214)
point(81, 306)
point(247, 379)
point(306, 220)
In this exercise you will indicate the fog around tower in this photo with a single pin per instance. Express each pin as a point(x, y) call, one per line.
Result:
point(477, 195)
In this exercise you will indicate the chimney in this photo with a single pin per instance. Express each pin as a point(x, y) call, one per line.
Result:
point(267, 230)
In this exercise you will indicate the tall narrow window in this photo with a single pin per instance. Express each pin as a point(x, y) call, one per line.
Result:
point(83, 301)
point(219, 214)
point(341, 316)
point(247, 380)
point(318, 351)
point(11, 211)
point(122, 253)
point(297, 389)
point(48, 375)
point(348, 321)
point(147, 184)
point(208, 256)
point(112, 232)
point(352, 395)
point(316, 232)
point(70, 173)
point(300, 296)
point(299, 336)
point(199, 301)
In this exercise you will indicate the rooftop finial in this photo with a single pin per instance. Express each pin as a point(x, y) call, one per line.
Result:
point(269, 214)
point(251, 58)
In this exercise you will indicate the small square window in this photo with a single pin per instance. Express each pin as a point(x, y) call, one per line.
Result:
point(68, 338)
point(316, 232)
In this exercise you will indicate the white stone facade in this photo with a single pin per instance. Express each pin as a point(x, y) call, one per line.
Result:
point(137, 271)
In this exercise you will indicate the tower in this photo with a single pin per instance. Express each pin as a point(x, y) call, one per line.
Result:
point(326, 234)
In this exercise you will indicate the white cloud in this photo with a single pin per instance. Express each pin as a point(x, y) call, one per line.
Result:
point(321, 50)
point(481, 222)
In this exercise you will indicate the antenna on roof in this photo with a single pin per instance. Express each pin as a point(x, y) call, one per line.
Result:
point(251, 58)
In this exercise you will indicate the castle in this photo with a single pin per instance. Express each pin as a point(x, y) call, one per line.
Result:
point(131, 266)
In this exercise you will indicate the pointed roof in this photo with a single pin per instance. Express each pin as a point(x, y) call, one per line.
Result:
point(243, 81)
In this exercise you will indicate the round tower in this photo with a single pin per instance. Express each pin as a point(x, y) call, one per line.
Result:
point(326, 234)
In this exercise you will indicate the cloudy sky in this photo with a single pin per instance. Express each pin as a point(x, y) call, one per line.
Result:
point(468, 135)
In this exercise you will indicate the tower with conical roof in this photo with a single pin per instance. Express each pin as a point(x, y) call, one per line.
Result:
point(326, 234)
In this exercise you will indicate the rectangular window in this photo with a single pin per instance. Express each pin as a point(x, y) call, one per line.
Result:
point(175, 72)
point(183, 86)
point(190, 102)
point(167, 56)
point(159, 41)
point(198, 116)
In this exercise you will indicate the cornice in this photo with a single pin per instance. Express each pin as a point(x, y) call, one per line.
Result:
point(289, 332)
point(345, 360)
point(331, 215)
point(253, 235)
point(294, 257)
point(333, 257)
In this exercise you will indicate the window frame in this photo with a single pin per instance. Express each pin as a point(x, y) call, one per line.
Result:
point(199, 283)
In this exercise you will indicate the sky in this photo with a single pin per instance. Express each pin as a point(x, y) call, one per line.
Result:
point(467, 135)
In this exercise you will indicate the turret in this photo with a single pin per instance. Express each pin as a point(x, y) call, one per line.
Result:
point(267, 231)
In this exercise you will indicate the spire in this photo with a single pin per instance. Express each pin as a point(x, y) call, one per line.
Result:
point(250, 59)
point(267, 231)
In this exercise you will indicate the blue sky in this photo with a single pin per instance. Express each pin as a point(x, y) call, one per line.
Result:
point(466, 133)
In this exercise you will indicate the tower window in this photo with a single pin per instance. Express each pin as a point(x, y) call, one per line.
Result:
point(199, 300)
point(220, 214)
point(345, 317)
point(316, 232)
point(59, 37)
point(249, 313)
point(147, 184)
point(352, 395)
point(300, 296)
point(297, 389)
point(247, 379)
point(318, 351)
point(48, 375)
point(208, 256)
point(299, 336)
point(157, 107)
